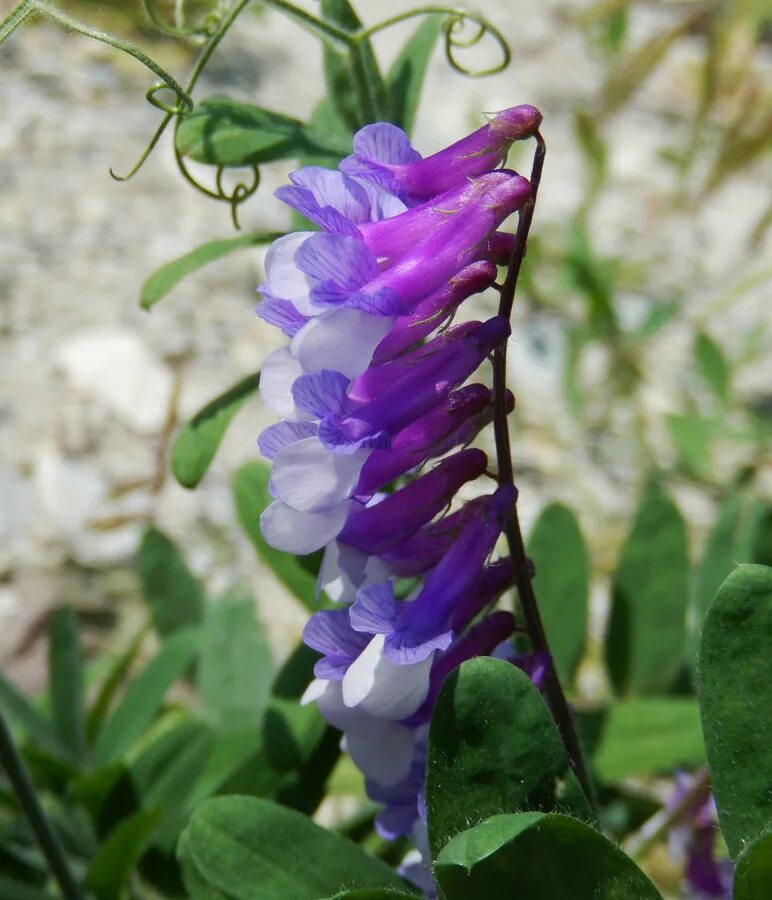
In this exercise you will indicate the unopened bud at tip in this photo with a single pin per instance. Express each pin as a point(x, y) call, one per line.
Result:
point(517, 123)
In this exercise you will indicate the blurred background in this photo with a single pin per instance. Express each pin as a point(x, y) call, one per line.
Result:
point(641, 338)
point(642, 334)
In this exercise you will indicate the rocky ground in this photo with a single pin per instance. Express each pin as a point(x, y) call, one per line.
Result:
point(87, 379)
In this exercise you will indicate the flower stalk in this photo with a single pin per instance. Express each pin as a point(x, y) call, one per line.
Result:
point(553, 689)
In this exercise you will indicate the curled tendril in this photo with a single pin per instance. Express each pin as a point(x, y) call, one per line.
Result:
point(453, 42)
point(200, 31)
point(235, 198)
point(456, 21)
point(175, 109)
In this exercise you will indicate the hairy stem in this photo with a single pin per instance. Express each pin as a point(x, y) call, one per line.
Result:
point(534, 626)
point(28, 800)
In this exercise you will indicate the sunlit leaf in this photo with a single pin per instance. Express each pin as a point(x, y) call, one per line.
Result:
point(251, 849)
point(562, 589)
point(546, 856)
point(196, 444)
point(158, 285)
point(221, 131)
point(487, 721)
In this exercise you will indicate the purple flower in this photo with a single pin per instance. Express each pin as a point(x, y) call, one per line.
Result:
point(383, 155)
point(692, 843)
point(372, 395)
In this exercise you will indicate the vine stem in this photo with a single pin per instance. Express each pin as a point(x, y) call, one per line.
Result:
point(514, 535)
point(28, 800)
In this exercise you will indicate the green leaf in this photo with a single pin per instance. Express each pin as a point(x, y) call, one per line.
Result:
point(562, 589)
point(405, 79)
point(158, 285)
point(20, 711)
point(110, 869)
point(10, 889)
point(235, 670)
point(175, 596)
point(594, 278)
point(145, 696)
point(196, 444)
point(647, 632)
point(116, 673)
point(374, 894)
point(736, 703)
point(658, 315)
point(712, 366)
point(759, 535)
point(487, 722)
point(753, 873)
point(166, 773)
point(221, 131)
point(65, 681)
point(250, 488)
point(251, 849)
point(692, 435)
point(296, 740)
point(547, 857)
point(588, 134)
point(355, 87)
point(642, 735)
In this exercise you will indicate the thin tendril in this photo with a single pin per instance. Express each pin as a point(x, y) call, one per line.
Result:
point(209, 48)
point(237, 196)
point(457, 19)
point(147, 151)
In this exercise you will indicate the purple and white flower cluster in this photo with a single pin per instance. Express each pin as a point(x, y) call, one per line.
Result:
point(371, 389)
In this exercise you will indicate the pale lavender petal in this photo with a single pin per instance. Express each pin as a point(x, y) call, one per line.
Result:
point(329, 632)
point(384, 690)
point(279, 372)
point(331, 188)
point(320, 345)
point(384, 754)
point(339, 261)
point(285, 281)
point(385, 143)
point(310, 478)
point(376, 610)
point(277, 436)
point(281, 314)
point(297, 532)
point(321, 393)
point(328, 219)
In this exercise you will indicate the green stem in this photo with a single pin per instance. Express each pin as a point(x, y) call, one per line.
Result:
point(337, 38)
point(119, 43)
point(17, 15)
point(28, 800)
